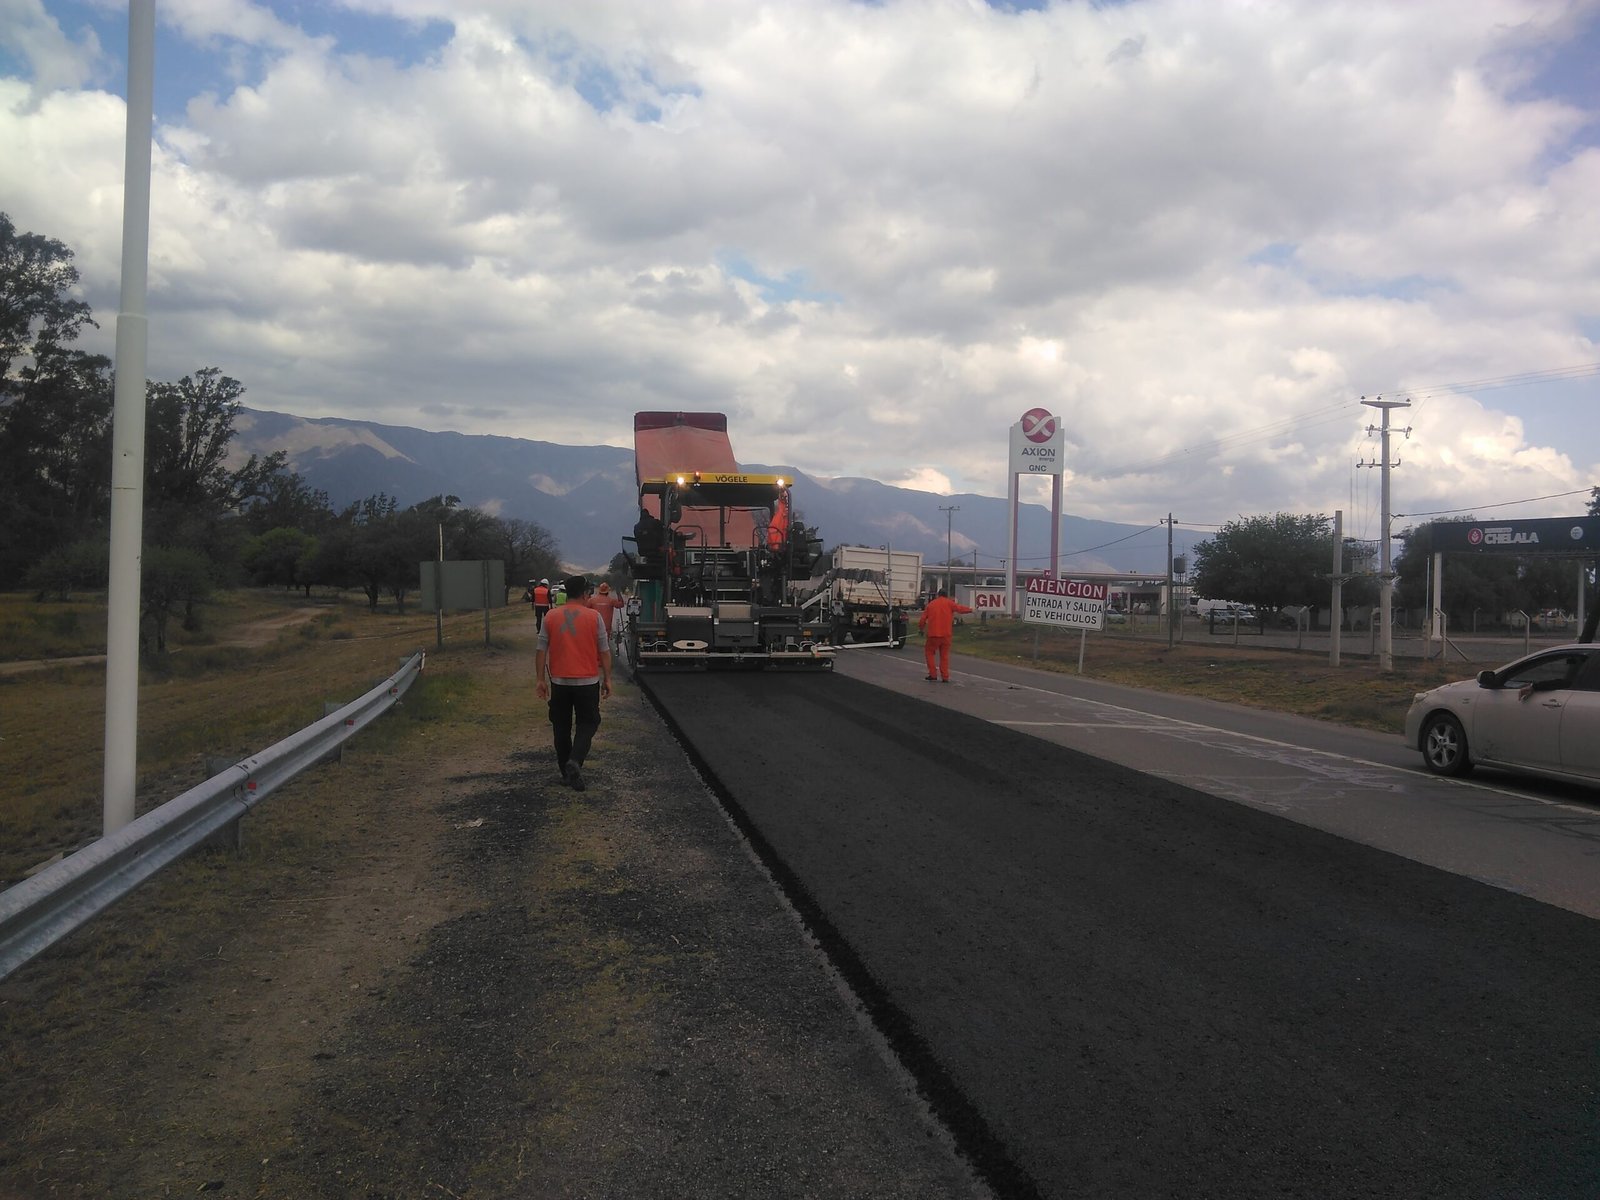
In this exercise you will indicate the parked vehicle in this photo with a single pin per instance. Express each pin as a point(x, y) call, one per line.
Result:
point(871, 593)
point(1241, 614)
point(1200, 607)
point(1539, 714)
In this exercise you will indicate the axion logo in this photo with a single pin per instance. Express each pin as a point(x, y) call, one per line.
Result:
point(1038, 425)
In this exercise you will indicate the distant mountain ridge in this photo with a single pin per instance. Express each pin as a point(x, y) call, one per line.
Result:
point(585, 496)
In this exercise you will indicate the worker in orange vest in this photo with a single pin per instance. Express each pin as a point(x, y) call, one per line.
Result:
point(541, 603)
point(572, 664)
point(938, 625)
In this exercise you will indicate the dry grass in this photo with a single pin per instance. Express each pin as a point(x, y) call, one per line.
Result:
point(260, 669)
point(1354, 693)
point(29, 629)
point(319, 860)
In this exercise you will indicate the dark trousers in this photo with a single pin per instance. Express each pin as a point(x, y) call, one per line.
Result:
point(569, 701)
point(540, 611)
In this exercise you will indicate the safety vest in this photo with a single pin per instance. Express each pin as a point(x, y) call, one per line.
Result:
point(573, 635)
point(541, 596)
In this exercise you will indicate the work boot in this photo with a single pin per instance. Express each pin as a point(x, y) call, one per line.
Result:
point(575, 777)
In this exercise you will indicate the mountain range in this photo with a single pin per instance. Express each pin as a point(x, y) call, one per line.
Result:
point(585, 495)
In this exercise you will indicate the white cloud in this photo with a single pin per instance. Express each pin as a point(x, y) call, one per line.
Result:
point(872, 234)
point(56, 59)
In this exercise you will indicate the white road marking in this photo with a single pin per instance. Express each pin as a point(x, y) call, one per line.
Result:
point(1165, 724)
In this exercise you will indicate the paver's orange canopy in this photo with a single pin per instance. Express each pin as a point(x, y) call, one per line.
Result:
point(665, 442)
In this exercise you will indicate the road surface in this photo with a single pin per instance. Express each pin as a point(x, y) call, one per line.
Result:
point(1114, 983)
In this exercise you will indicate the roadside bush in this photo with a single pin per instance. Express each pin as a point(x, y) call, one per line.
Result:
point(78, 566)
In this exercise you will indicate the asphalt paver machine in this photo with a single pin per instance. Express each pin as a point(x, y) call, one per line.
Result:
point(714, 556)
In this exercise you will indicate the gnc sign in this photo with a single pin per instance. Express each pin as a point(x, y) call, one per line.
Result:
point(983, 599)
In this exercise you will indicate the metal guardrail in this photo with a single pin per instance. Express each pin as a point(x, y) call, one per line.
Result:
point(38, 912)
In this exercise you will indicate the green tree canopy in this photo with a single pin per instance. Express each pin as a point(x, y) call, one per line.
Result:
point(1267, 561)
point(188, 432)
point(1479, 585)
point(285, 501)
point(55, 406)
point(38, 311)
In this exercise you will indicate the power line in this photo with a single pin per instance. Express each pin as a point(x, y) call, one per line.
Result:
point(1522, 379)
point(1104, 545)
point(1504, 504)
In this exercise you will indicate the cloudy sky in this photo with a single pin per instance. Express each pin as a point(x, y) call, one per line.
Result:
point(874, 234)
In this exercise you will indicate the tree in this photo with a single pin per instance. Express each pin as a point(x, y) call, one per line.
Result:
point(1494, 584)
point(187, 433)
point(386, 544)
point(285, 501)
point(55, 410)
point(1594, 502)
point(529, 551)
point(281, 556)
point(1267, 561)
point(619, 572)
point(38, 312)
point(78, 565)
point(55, 457)
point(192, 497)
point(170, 576)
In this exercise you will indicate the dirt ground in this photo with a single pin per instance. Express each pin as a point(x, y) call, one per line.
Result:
point(435, 971)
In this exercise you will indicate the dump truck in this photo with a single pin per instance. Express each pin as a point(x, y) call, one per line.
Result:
point(871, 592)
point(715, 556)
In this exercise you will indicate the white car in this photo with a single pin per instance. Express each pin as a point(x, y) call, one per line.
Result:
point(1540, 714)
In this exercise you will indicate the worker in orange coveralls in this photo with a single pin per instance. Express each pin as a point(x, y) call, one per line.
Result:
point(938, 625)
point(607, 605)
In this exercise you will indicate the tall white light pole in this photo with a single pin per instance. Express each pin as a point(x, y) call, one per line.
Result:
point(127, 431)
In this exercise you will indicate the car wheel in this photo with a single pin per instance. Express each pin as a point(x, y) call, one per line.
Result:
point(1444, 745)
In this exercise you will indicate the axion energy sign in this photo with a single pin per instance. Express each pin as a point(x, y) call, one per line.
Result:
point(1066, 603)
point(1036, 444)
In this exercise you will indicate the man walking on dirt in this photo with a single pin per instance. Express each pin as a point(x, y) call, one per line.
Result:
point(938, 623)
point(572, 664)
point(539, 593)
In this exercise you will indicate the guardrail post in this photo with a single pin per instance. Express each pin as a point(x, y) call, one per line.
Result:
point(336, 755)
point(231, 835)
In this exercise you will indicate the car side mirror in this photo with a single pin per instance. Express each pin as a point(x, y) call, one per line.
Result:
point(1486, 679)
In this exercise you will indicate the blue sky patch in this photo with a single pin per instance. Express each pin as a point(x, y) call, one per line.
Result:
point(185, 69)
point(1279, 254)
point(782, 290)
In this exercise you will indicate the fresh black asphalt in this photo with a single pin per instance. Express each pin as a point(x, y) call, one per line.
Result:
point(1111, 985)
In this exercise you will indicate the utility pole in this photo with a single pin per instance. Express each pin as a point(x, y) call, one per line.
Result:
point(949, 511)
point(1172, 607)
point(1386, 577)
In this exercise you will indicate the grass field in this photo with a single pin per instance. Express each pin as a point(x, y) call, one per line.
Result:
point(1354, 693)
point(259, 668)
